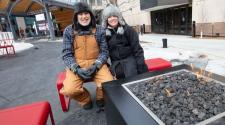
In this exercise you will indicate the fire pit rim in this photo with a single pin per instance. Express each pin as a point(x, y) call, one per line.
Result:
point(132, 113)
point(152, 114)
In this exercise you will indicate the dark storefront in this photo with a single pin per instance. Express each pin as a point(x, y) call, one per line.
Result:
point(172, 21)
point(3, 24)
point(169, 17)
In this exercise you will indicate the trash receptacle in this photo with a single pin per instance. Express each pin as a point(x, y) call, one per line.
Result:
point(164, 43)
point(193, 29)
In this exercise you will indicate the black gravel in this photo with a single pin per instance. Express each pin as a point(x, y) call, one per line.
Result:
point(181, 97)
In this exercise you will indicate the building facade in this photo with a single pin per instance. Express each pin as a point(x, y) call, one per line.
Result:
point(133, 14)
point(209, 16)
point(176, 16)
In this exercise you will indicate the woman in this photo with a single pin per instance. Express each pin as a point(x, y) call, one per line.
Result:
point(126, 53)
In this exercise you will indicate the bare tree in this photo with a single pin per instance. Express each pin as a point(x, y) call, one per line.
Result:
point(107, 1)
point(114, 2)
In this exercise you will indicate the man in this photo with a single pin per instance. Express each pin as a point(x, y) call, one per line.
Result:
point(85, 54)
point(21, 33)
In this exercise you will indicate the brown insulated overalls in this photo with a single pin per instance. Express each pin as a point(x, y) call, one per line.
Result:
point(86, 52)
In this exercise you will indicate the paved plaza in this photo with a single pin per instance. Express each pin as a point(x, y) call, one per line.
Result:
point(30, 75)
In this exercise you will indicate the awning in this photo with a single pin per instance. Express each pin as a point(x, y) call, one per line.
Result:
point(164, 7)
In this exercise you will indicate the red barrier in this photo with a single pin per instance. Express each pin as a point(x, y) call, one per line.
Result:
point(30, 114)
point(6, 43)
point(157, 64)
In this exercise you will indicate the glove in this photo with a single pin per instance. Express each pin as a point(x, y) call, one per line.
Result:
point(82, 73)
point(94, 68)
point(74, 68)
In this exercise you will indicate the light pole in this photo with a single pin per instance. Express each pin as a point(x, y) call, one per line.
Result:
point(212, 29)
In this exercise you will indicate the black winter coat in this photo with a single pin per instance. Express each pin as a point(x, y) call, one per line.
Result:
point(126, 53)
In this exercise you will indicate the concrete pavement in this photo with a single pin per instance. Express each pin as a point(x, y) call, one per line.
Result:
point(30, 76)
point(208, 54)
point(214, 48)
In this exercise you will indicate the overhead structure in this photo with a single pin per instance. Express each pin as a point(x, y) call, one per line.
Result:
point(61, 12)
point(33, 7)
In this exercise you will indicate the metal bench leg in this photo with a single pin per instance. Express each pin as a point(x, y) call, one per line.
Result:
point(51, 117)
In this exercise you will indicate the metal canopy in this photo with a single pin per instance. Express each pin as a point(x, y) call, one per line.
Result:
point(32, 7)
point(29, 7)
point(164, 7)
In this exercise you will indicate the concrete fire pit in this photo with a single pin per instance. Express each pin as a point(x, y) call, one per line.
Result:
point(173, 97)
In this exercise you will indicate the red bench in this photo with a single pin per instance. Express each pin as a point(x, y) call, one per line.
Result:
point(156, 64)
point(64, 100)
point(30, 114)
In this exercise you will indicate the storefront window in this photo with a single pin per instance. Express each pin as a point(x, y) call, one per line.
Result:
point(2, 19)
point(175, 20)
point(3, 26)
point(99, 2)
point(92, 2)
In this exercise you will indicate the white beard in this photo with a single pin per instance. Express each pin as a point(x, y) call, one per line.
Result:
point(86, 23)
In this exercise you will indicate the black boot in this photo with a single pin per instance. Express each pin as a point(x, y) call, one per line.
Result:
point(88, 106)
point(100, 103)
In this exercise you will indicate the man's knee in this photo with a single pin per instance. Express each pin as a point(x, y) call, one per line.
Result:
point(72, 92)
point(104, 74)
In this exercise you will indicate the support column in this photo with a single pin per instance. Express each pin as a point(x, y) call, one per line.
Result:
point(186, 20)
point(50, 24)
point(11, 27)
point(173, 20)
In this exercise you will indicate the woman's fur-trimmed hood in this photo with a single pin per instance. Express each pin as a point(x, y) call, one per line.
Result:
point(112, 10)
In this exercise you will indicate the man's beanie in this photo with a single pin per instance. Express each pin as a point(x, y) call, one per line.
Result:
point(80, 7)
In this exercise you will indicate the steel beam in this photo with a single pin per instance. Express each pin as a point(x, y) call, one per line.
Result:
point(50, 24)
point(2, 12)
point(57, 3)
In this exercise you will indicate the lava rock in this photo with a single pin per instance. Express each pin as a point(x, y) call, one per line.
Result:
point(188, 99)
